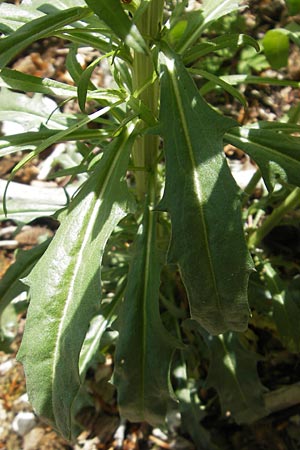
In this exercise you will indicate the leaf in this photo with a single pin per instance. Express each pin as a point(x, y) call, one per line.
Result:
point(13, 17)
point(96, 331)
point(286, 312)
point(276, 153)
point(219, 81)
point(37, 29)
point(276, 48)
point(215, 9)
point(233, 373)
point(31, 113)
point(144, 349)
point(84, 81)
point(28, 83)
point(190, 408)
point(231, 41)
point(10, 284)
point(293, 6)
point(114, 16)
point(202, 198)
point(65, 289)
point(30, 140)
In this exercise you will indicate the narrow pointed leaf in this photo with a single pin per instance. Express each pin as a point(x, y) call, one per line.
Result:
point(233, 373)
point(144, 349)
point(214, 9)
point(277, 154)
point(65, 289)
point(112, 13)
point(37, 29)
point(202, 199)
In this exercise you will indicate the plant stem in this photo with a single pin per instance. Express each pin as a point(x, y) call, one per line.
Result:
point(146, 146)
point(288, 204)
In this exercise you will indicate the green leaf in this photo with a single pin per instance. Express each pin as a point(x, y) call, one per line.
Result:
point(112, 13)
point(220, 82)
point(13, 17)
point(215, 9)
point(202, 198)
point(190, 407)
point(276, 48)
point(286, 311)
point(65, 289)
point(37, 29)
point(144, 349)
point(32, 113)
point(96, 331)
point(84, 81)
point(10, 284)
point(233, 373)
point(30, 140)
point(277, 154)
point(293, 6)
point(231, 41)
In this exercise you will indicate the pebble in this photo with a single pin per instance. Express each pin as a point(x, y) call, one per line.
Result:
point(7, 366)
point(23, 422)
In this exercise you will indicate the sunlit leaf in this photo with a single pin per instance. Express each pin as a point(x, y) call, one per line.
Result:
point(65, 289)
point(276, 48)
point(36, 29)
point(201, 196)
point(276, 153)
point(114, 16)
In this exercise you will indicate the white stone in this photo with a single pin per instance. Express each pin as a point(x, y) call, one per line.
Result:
point(23, 422)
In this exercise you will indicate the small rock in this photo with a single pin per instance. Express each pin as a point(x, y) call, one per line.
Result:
point(23, 422)
point(33, 439)
point(7, 366)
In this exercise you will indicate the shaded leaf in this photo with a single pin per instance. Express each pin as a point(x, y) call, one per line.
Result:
point(190, 408)
point(233, 373)
point(10, 284)
point(96, 331)
point(202, 199)
point(277, 154)
point(144, 349)
point(286, 312)
point(65, 289)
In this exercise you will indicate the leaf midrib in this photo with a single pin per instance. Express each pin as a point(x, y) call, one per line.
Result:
point(196, 182)
point(95, 206)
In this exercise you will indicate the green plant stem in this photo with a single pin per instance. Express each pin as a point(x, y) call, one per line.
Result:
point(146, 146)
point(287, 205)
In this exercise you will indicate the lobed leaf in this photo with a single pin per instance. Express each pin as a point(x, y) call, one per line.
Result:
point(144, 349)
point(202, 198)
point(65, 289)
